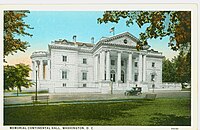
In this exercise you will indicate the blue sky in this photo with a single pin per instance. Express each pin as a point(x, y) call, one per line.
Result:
point(53, 25)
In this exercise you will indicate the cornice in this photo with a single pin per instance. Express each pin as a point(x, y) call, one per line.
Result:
point(70, 48)
point(104, 43)
point(113, 45)
point(155, 56)
point(39, 54)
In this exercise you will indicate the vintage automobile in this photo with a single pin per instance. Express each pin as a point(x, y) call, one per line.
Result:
point(134, 91)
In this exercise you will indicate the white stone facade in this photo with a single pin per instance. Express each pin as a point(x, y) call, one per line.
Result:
point(112, 64)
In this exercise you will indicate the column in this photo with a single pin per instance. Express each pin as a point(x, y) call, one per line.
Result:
point(144, 68)
point(95, 68)
point(133, 70)
point(119, 66)
point(130, 67)
point(41, 70)
point(140, 68)
point(108, 66)
point(48, 70)
point(102, 66)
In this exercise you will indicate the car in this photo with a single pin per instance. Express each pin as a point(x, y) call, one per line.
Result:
point(133, 91)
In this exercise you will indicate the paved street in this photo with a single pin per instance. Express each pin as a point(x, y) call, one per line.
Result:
point(10, 98)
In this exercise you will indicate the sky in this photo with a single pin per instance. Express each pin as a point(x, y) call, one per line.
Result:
point(54, 25)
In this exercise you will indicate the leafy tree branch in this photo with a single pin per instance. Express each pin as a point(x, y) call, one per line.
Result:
point(14, 26)
point(173, 24)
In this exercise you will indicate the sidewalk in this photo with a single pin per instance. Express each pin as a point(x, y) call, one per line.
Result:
point(69, 97)
point(88, 97)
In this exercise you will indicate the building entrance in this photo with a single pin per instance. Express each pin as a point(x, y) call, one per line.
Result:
point(122, 76)
point(112, 75)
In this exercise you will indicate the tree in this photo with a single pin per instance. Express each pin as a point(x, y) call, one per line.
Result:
point(178, 69)
point(15, 26)
point(173, 24)
point(168, 71)
point(9, 79)
point(16, 77)
point(183, 65)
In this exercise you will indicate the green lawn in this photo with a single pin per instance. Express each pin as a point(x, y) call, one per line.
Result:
point(161, 112)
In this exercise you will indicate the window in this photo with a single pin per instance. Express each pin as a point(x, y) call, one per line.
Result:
point(152, 77)
point(122, 63)
point(125, 41)
point(136, 64)
point(84, 61)
point(153, 64)
point(64, 58)
point(84, 76)
point(136, 77)
point(112, 62)
point(64, 74)
point(64, 85)
point(84, 85)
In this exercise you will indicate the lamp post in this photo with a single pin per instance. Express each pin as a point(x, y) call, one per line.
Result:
point(36, 70)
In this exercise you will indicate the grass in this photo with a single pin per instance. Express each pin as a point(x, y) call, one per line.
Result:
point(160, 112)
point(33, 92)
point(73, 102)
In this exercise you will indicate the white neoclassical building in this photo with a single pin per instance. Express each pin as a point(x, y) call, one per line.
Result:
point(112, 64)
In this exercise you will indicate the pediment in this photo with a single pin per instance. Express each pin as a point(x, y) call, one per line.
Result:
point(122, 39)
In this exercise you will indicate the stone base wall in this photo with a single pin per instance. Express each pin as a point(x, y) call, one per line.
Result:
point(101, 87)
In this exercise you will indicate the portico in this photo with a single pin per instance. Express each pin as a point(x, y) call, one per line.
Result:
point(42, 66)
point(117, 66)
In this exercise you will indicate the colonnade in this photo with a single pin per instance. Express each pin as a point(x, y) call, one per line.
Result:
point(102, 64)
point(43, 69)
